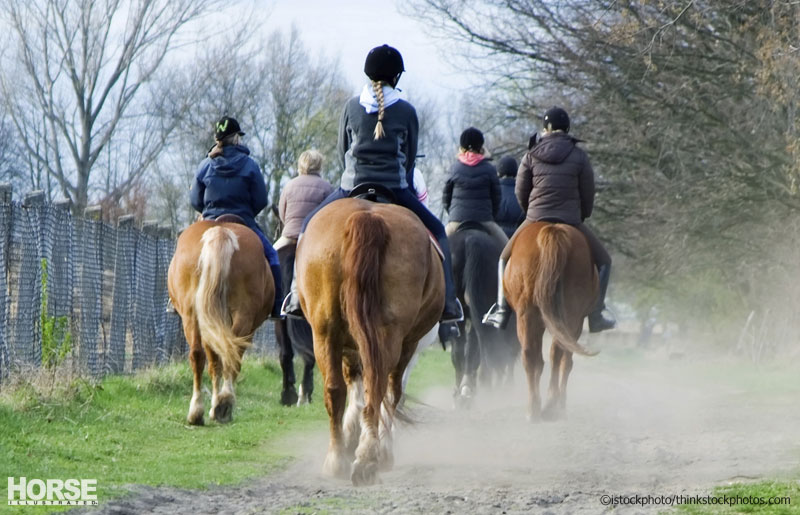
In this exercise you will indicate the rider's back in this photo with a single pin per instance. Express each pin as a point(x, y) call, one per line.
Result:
point(229, 184)
point(388, 160)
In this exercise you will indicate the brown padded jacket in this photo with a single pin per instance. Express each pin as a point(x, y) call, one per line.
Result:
point(555, 181)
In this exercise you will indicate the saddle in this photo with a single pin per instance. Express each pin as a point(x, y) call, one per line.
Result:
point(383, 195)
point(374, 193)
point(230, 219)
point(472, 226)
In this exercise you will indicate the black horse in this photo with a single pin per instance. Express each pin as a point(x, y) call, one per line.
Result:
point(294, 337)
point(480, 348)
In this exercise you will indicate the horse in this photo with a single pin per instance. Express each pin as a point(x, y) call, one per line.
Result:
point(551, 283)
point(479, 347)
point(371, 285)
point(293, 337)
point(221, 285)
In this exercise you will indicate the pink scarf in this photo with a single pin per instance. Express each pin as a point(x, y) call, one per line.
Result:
point(471, 158)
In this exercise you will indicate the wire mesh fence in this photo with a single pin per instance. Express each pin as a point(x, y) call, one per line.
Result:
point(82, 293)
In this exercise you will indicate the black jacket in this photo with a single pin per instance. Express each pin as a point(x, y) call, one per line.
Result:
point(555, 181)
point(472, 193)
point(510, 215)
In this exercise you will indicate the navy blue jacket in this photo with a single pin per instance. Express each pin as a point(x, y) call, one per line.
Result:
point(510, 215)
point(472, 193)
point(230, 184)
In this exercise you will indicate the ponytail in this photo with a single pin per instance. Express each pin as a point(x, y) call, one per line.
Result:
point(377, 86)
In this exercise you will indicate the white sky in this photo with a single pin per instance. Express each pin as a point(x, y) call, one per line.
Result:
point(350, 28)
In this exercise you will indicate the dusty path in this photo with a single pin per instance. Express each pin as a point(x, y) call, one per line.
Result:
point(637, 425)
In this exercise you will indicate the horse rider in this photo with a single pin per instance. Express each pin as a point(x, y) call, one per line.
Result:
point(555, 183)
point(301, 195)
point(378, 134)
point(472, 192)
point(510, 215)
point(229, 181)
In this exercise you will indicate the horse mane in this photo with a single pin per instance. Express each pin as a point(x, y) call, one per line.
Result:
point(366, 238)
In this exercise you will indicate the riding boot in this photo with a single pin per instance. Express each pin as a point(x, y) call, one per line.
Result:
point(498, 314)
point(452, 312)
point(598, 322)
point(276, 306)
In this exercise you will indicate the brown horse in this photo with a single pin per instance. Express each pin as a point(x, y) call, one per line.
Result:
point(552, 284)
point(220, 284)
point(371, 285)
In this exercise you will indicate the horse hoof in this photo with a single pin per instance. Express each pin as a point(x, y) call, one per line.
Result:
point(336, 466)
point(552, 413)
point(223, 412)
point(364, 474)
point(195, 421)
point(289, 396)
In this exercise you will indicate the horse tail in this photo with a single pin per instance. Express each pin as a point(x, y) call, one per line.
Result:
point(365, 241)
point(211, 297)
point(548, 290)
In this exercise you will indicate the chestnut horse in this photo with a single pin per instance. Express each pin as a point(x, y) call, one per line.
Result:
point(221, 286)
point(370, 285)
point(551, 282)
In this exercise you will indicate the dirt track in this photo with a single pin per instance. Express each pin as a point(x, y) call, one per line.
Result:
point(636, 425)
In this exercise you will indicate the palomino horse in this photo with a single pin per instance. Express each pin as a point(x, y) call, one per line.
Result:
point(479, 348)
point(371, 285)
point(552, 284)
point(221, 286)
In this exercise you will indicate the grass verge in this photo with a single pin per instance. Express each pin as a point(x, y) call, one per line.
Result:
point(132, 430)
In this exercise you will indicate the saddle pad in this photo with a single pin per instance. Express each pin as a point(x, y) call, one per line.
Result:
point(436, 245)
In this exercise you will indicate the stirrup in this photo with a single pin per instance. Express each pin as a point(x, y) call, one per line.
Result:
point(497, 317)
point(290, 308)
point(170, 307)
point(453, 317)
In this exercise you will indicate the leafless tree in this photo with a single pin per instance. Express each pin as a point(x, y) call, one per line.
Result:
point(74, 86)
point(286, 101)
point(689, 112)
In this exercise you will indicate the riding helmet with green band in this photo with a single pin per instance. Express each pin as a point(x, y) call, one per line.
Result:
point(383, 63)
point(227, 126)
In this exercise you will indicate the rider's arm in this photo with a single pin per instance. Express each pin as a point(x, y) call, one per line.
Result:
point(447, 194)
point(494, 189)
point(524, 184)
point(258, 190)
point(198, 190)
point(586, 188)
point(411, 146)
point(343, 143)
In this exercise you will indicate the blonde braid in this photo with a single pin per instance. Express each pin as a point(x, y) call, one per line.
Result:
point(377, 86)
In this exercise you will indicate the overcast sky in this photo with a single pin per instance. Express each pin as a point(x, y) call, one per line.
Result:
point(350, 28)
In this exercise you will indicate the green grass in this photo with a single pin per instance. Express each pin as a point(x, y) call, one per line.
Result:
point(132, 430)
point(764, 490)
point(433, 368)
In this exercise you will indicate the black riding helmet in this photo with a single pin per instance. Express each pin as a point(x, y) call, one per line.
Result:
point(556, 119)
point(384, 63)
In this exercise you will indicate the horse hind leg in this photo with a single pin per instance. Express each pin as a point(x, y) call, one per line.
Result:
point(286, 356)
point(352, 415)
point(307, 385)
point(365, 467)
point(215, 372)
point(530, 330)
point(553, 407)
point(197, 359)
point(330, 364)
